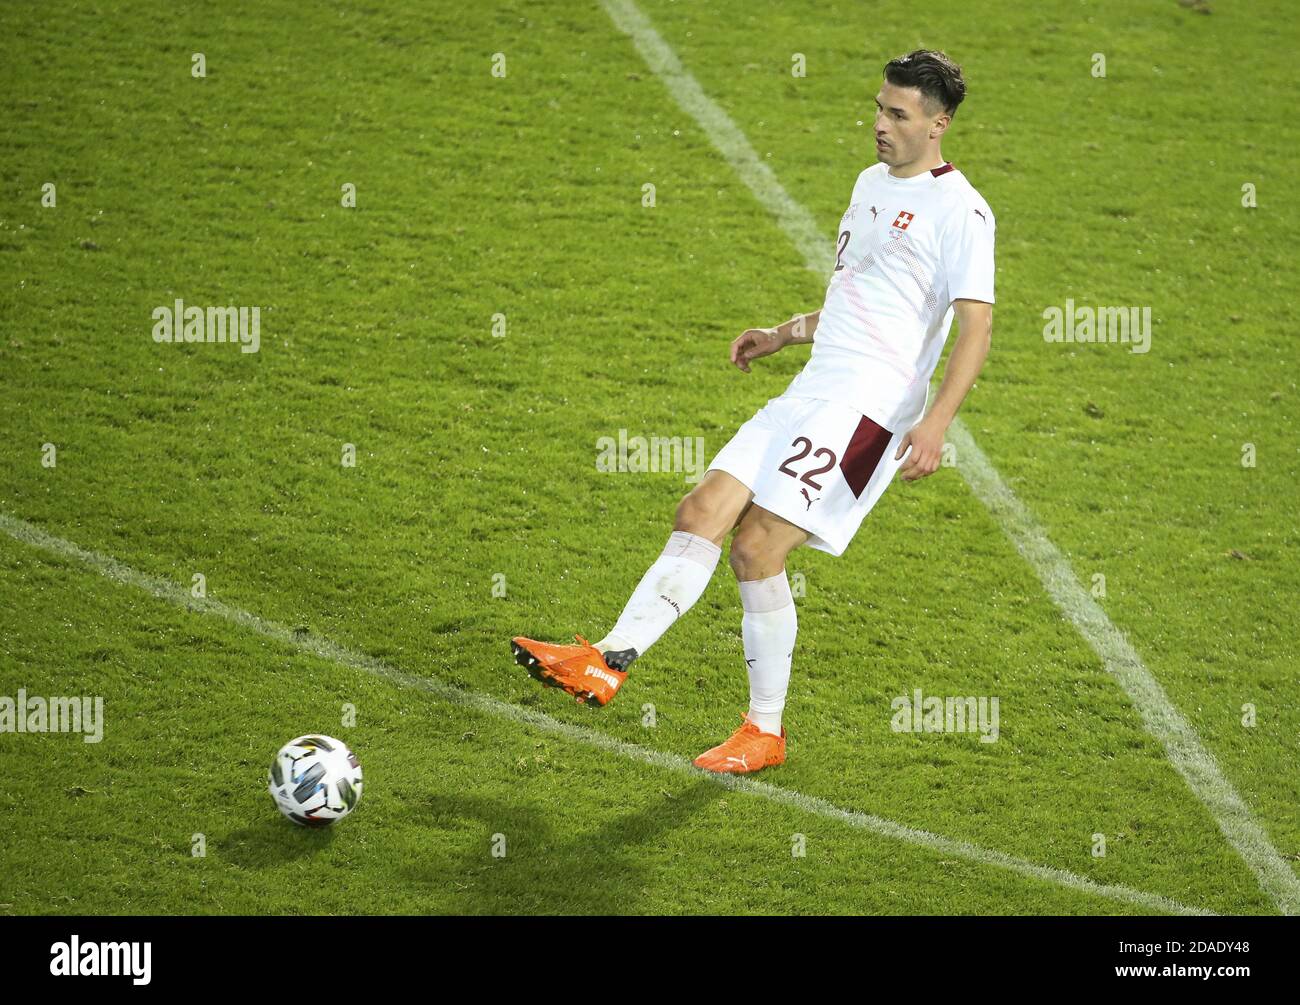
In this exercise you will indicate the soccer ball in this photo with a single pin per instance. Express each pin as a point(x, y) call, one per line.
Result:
point(315, 780)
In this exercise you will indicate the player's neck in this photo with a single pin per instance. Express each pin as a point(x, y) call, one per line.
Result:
point(919, 166)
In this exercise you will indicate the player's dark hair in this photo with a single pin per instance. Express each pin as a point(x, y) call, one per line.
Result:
point(936, 76)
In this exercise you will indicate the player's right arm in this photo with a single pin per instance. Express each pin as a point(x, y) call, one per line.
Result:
point(756, 342)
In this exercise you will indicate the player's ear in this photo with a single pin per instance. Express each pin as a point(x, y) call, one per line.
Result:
point(940, 126)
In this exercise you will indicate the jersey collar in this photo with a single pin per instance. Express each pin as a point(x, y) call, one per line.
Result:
point(923, 178)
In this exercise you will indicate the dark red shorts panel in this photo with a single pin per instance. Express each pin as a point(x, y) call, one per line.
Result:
point(862, 456)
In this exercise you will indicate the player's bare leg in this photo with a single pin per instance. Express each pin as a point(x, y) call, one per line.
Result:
point(762, 544)
point(768, 627)
point(714, 508)
point(677, 579)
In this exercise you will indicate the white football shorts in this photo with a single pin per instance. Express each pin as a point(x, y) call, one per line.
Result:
point(818, 464)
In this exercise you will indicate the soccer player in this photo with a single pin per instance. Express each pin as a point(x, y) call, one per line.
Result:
point(914, 248)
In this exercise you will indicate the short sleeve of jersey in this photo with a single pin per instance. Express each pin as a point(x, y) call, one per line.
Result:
point(968, 254)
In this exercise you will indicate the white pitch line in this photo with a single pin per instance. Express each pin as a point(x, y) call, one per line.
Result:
point(175, 593)
point(1182, 746)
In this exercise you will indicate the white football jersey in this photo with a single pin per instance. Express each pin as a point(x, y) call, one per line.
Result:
point(907, 248)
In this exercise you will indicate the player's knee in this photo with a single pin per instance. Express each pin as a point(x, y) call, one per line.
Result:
point(753, 554)
point(695, 515)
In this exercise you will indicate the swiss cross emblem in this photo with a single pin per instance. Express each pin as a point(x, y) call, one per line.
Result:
point(902, 220)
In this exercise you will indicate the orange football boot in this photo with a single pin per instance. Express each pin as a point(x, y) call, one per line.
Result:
point(746, 750)
point(580, 670)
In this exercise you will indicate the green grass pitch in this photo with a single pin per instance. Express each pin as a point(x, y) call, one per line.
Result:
point(499, 299)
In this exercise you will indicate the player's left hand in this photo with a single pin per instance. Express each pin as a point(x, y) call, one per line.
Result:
point(926, 441)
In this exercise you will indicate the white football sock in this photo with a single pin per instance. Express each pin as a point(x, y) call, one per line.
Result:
point(768, 628)
point(667, 591)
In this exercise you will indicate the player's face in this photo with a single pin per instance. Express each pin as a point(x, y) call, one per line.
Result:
point(904, 125)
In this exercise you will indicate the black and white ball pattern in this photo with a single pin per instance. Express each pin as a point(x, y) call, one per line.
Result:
point(315, 780)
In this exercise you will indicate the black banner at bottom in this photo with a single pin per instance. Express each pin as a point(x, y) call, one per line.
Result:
point(338, 953)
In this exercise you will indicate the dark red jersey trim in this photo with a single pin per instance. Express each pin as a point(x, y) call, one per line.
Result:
point(862, 455)
point(942, 170)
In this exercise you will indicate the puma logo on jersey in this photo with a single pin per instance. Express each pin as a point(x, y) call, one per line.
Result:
point(981, 216)
point(810, 499)
point(874, 213)
point(600, 674)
